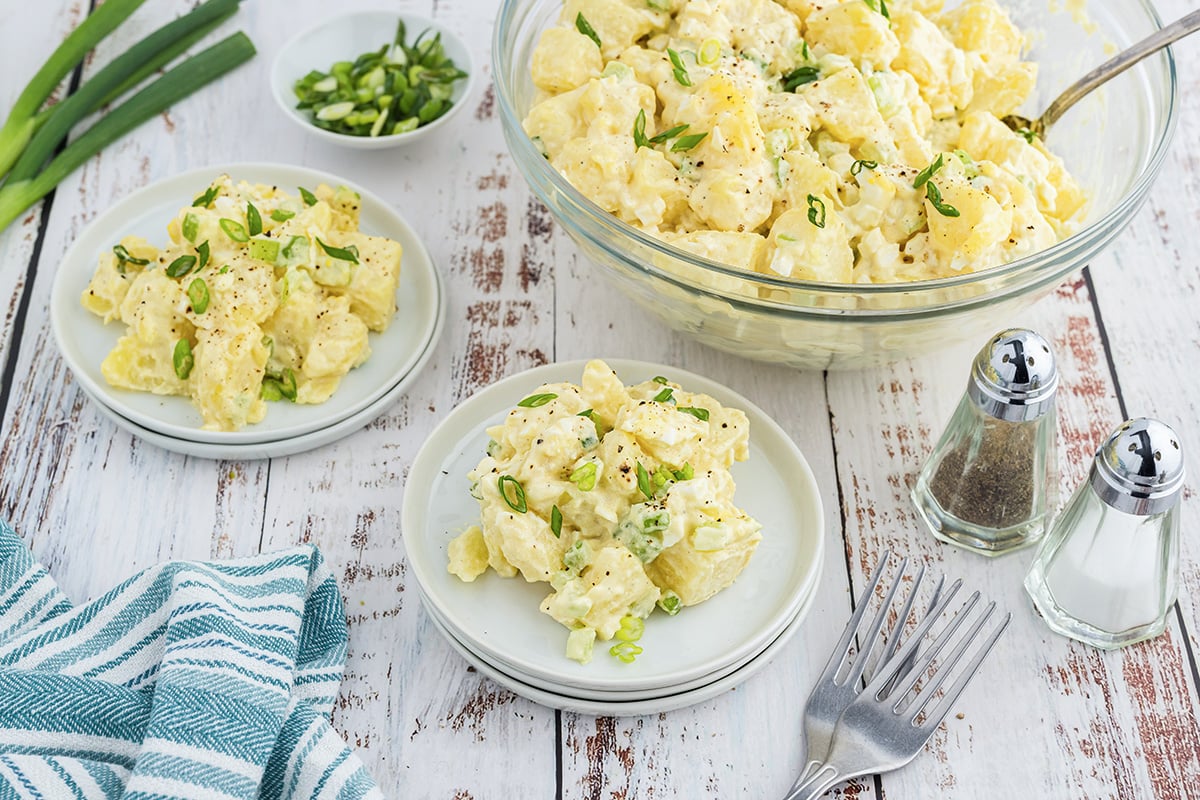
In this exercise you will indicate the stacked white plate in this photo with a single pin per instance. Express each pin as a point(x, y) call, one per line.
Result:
point(495, 624)
point(397, 354)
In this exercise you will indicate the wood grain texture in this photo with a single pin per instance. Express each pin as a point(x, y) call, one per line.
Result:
point(1048, 718)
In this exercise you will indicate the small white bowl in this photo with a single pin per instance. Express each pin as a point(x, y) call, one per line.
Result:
point(345, 38)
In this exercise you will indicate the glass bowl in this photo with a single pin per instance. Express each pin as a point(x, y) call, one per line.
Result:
point(1113, 142)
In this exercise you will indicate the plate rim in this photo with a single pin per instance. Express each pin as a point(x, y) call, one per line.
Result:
point(63, 301)
point(427, 464)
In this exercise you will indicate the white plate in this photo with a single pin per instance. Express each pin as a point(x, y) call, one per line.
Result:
point(345, 38)
point(84, 340)
point(500, 616)
point(629, 708)
point(280, 447)
point(601, 652)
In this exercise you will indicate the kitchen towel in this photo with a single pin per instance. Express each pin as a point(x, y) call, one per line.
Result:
point(209, 680)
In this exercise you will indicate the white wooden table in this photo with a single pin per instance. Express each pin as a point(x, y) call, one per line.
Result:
point(1050, 718)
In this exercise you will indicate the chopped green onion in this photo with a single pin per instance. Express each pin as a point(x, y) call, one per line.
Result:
point(659, 379)
point(183, 359)
point(202, 250)
point(639, 130)
point(343, 253)
point(631, 629)
point(685, 143)
point(517, 502)
point(861, 164)
point(643, 481)
point(582, 25)
point(924, 175)
point(253, 220)
point(124, 258)
point(879, 6)
point(282, 215)
point(670, 602)
point(710, 51)
point(799, 77)
point(681, 75)
point(664, 396)
point(816, 211)
point(669, 133)
point(684, 473)
point(587, 412)
point(555, 522)
point(535, 400)
point(1027, 134)
point(205, 200)
point(197, 292)
point(234, 230)
point(270, 390)
point(659, 5)
point(584, 476)
point(699, 413)
point(181, 266)
point(308, 197)
point(190, 227)
point(625, 651)
point(934, 196)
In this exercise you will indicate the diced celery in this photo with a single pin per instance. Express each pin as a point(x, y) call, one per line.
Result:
point(264, 250)
point(580, 643)
point(707, 538)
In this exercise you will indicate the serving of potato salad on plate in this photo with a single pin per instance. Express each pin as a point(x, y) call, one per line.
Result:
point(258, 296)
point(858, 141)
point(620, 497)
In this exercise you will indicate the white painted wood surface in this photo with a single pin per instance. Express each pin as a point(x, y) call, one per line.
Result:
point(1049, 718)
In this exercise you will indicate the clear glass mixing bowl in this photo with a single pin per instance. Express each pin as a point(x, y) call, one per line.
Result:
point(1113, 142)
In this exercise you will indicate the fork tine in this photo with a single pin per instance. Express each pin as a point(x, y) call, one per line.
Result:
point(929, 655)
point(860, 664)
point(935, 717)
point(929, 690)
point(885, 673)
point(896, 638)
point(839, 651)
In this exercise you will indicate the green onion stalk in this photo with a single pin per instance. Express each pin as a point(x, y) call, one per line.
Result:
point(23, 189)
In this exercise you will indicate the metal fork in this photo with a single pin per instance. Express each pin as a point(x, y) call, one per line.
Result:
point(832, 694)
point(880, 731)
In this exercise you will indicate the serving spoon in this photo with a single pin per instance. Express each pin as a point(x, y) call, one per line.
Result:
point(1189, 23)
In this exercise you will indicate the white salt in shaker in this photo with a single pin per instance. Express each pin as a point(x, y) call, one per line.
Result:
point(1107, 572)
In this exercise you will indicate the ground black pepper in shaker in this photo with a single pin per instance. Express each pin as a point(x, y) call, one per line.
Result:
point(989, 483)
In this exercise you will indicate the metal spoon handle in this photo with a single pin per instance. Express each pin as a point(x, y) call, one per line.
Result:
point(1189, 23)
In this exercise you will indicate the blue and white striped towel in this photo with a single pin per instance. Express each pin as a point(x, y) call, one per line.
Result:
point(189, 680)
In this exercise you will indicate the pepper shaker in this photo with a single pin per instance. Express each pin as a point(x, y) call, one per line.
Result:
point(1107, 573)
point(989, 484)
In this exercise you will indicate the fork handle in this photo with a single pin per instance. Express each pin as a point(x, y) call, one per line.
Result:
point(818, 781)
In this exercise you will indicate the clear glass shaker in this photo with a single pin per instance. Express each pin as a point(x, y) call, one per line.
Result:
point(990, 483)
point(1108, 571)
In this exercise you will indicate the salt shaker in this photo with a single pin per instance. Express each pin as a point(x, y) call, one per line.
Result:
point(989, 484)
point(1107, 573)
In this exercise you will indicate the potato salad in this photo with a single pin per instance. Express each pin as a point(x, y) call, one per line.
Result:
point(258, 296)
point(620, 497)
point(857, 141)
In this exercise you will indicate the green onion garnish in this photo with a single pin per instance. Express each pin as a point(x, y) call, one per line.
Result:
point(681, 75)
point(584, 27)
point(699, 413)
point(934, 196)
point(124, 258)
point(517, 502)
point(861, 164)
point(535, 400)
point(253, 220)
point(924, 175)
point(631, 631)
point(816, 211)
point(343, 253)
point(205, 200)
point(270, 391)
point(685, 143)
point(183, 359)
point(181, 266)
point(800, 76)
point(1028, 135)
point(190, 226)
point(684, 473)
point(669, 133)
point(308, 197)
point(197, 292)
point(282, 215)
point(202, 250)
point(659, 379)
point(664, 396)
point(670, 602)
point(585, 476)
point(234, 230)
point(643, 481)
point(555, 522)
point(880, 6)
point(639, 130)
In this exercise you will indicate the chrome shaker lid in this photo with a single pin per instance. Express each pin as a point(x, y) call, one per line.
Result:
point(1139, 468)
point(1014, 376)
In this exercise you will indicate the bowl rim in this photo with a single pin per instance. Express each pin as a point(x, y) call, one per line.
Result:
point(280, 85)
point(1032, 263)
